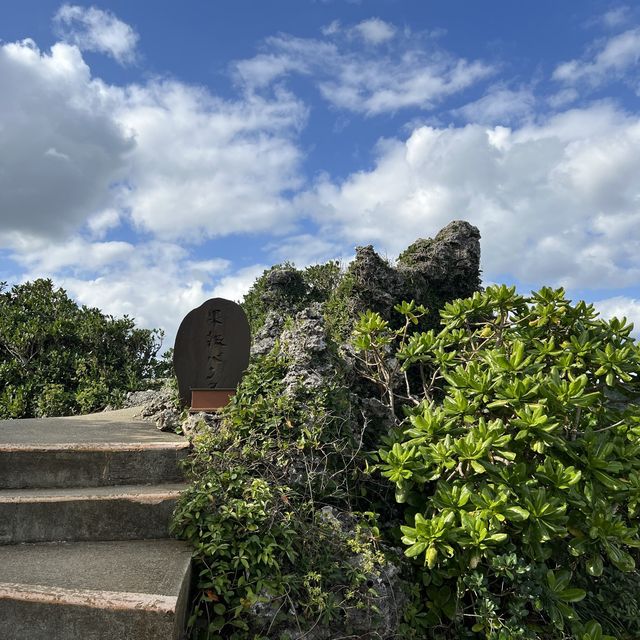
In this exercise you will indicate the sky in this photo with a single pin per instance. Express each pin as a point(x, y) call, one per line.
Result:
point(154, 155)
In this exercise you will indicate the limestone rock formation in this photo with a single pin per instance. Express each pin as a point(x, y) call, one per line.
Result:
point(430, 271)
point(312, 337)
point(372, 283)
point(445, 267)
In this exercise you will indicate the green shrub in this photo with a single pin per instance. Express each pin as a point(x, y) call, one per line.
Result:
point(93, 395)
point(254, 510)
point(613, 596)
point(58, 358)
point(517, 458)
point(291, 292)
point(53, 400)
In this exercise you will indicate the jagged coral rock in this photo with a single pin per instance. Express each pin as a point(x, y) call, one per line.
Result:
point(283, 288)
point(374, 283)
point(266, 337)
point(304, 344)
point(430, 271)
point(446, 267)
point(158, 406)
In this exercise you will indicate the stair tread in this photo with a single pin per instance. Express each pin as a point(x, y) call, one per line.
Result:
point(79, 571)
point(120, 429)
point(114, 492)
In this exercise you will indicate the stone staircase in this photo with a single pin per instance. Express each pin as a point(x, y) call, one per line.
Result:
point(85, 553)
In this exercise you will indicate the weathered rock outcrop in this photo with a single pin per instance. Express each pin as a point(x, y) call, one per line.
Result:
point(430, 271)
point(284, 287)
point(311, 339)
point(445, 267)
point(371, 283)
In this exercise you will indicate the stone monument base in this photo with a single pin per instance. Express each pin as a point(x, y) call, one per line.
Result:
point(209, 399)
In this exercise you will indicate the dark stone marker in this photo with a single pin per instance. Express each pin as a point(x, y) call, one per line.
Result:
point(212, 348)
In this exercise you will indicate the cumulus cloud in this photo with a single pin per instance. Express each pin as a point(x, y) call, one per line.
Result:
point(103, 222)
point(235, 285)
point(205, 166)
point(92, 29)
point(175, 159)
point(151, 287)
point(80, 158)
point(60, 147)
point(556, 198)
point(614, 58)
point(305, 249)
point(157, 283)
point(206, 269)
point(375, 31)
point(556, 202)
point(406, 74)
point(75, 254)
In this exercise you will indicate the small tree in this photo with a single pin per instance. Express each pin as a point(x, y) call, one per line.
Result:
point(517, 455)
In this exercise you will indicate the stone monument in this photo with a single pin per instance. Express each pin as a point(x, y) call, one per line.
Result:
point(211, 353)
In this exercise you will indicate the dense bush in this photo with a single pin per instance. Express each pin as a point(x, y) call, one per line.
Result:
point(272, 511)
point(284, 288)
point(517, 457)
point(58, 358)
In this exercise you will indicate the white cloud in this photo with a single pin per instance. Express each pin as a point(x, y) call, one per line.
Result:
point(207, 269)
point(209, 167)
point(375, 31)
point(408, 74)
point(263, 69)
point(616, 17)
point(80, 155)
point(157, 283)
point(332, 28)
point(176, 160)
point(92, 29)
point(562, 98)
point(500, 105)
point(556, 199)
point(60, 148)
point(234, 286)
point(305, 249)
point(154, 297)
point(556, 202)
point(615, 58)
point(102, 222)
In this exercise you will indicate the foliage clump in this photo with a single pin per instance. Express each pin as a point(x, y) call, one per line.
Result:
point(57, 358)
point(273, 510)
point(283, 289)
point(517, 459)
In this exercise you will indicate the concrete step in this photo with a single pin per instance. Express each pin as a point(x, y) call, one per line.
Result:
point(102, 449)
point(94, 513)
point(136, 590)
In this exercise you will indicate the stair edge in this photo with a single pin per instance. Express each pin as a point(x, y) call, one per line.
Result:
point(96, 599)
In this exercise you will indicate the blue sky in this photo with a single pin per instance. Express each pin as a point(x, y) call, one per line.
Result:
point(153, 155)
